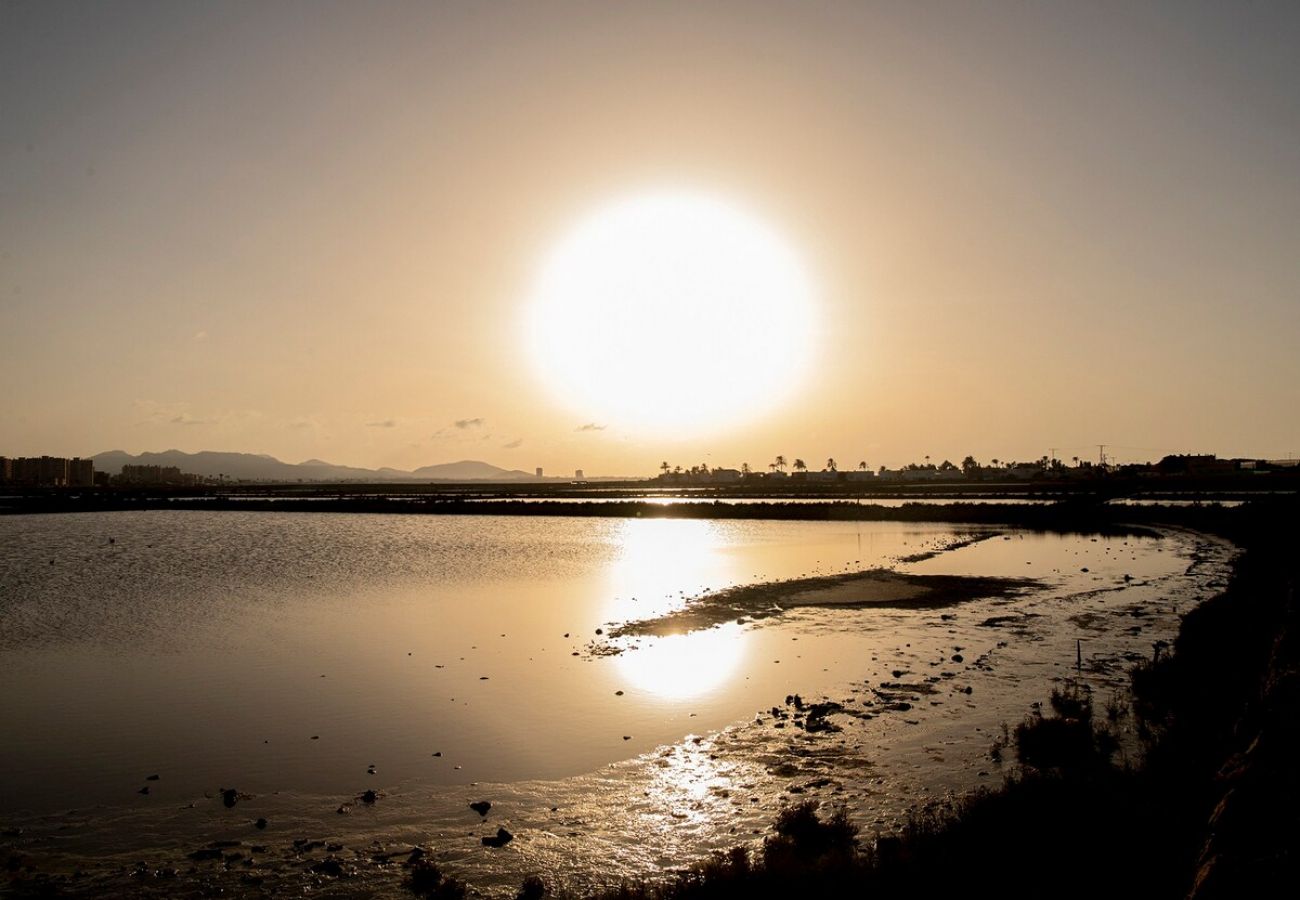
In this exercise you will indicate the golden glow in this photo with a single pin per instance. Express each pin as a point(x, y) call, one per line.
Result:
point(684, 665)
point(671, 313)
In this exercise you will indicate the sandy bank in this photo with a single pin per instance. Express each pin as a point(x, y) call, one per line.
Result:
point(882, 588)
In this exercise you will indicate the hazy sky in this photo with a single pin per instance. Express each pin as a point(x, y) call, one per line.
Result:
point(312, 229)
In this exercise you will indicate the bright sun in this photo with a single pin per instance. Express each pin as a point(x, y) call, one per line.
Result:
point(671, 313)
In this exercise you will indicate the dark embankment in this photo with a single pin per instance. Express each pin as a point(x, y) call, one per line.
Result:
point(1213, 811)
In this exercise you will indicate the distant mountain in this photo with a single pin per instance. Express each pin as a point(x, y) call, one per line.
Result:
point(260, 467)
point(469, 470)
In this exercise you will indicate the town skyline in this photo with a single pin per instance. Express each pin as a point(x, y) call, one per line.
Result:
point(179, 468)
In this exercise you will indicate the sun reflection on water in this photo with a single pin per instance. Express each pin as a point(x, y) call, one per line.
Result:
point(684, 665)
point(663, 562)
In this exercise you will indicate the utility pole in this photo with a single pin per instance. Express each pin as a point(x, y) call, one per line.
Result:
point(1101, 455)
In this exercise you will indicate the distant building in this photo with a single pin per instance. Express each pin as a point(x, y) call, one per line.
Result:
point(724, 476)
point(46, 471)
point(81, 472)
point(577, 474)
point(539, 471)
point(156, 475)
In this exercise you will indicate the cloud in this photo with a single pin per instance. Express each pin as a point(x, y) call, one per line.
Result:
point(590, 426)
point(200, 335)
point(516, 443)
point(153, 412)
point(470, 423)
point(385, 423)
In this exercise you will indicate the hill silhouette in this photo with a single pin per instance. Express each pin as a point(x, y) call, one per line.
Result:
point(261, 467)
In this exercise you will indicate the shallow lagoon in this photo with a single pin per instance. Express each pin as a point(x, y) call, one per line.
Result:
point(286, 654)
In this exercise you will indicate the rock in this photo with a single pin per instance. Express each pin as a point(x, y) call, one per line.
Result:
point(618, 693)
point(151, 778)
point(502, 838)
point(369, 797)
point(481, 807)
point(957, 657)
point(229, 797)
point(627, 737)
point(206, 853)
point(143, 790)
point(260, 824)
point(427, 880)
point(600, 631)
point(438, 753)
point(343, 810)
point(331, 866)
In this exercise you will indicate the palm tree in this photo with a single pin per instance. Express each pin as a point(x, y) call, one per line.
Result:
point(744, 469)
point(799, 465)
point(862, 466)
point(664, 467)
point(779, 463)
point(830, 463)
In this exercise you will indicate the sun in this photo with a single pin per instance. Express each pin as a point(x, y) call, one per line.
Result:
point(671, 313)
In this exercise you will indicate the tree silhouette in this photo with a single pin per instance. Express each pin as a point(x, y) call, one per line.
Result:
point(779, 463)
point(744, 469)
point(830, 463)
point(799, 465)
point(862, 466)
point(664, 467)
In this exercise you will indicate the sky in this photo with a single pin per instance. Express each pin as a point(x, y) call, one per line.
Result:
point(317, 230)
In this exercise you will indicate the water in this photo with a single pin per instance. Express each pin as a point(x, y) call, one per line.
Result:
point(285, 655)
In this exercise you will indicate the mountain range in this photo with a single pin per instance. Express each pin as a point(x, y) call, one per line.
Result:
point(260, 467)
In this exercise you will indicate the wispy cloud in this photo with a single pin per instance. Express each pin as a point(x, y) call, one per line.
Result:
point(179, 412)
point(200, 335)
point(590, 426)
point(470, 423)
point(515, 444)
point(385, 423)
point(187, 419)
